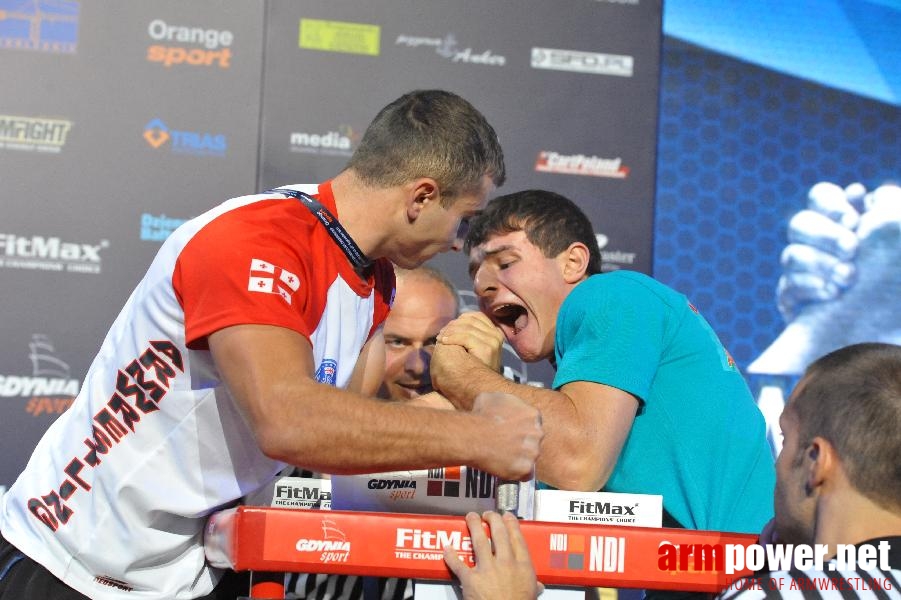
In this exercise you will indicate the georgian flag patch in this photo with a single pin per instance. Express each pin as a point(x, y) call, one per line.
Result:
point(267, 278)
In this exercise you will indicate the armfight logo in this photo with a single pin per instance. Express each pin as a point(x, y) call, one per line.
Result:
point(50, 389)
point(49, 254)
point(41, 26)
point(33, 134)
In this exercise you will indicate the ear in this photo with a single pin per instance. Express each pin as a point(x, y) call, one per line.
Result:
point(420, 192)
point(574, 262)
point(821, 461)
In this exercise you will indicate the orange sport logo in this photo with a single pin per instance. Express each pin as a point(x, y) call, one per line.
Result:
point(185, 45)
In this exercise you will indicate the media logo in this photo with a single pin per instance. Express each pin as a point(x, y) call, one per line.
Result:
point(596, 63)
point(42, 25)
point(157, 228)
point(579, 164)
point(33, 134)
point(613, 260)
point(266, 278)
point(332, 547)
point(327, 372)
point(193, 46)
point(49, 254)
point(50, 389)
point(158, 134)
point(340, 36)
point(337, 142)
point(606, 554)
point(449, 48)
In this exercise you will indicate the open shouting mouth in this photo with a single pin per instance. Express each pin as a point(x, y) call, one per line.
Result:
point(512, 316)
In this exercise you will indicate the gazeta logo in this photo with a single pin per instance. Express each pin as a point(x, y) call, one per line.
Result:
point(158, 135)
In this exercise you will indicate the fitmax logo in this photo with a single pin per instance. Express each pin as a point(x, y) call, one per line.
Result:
point(601, 508)
point(157, 134)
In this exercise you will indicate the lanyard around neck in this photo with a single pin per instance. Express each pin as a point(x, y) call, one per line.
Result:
point(331, 224)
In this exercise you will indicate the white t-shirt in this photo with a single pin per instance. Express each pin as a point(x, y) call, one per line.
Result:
point(115, 497)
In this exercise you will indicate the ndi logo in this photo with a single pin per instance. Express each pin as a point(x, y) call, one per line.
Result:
point(606, 554)
point(158, 134)
point(41, 26)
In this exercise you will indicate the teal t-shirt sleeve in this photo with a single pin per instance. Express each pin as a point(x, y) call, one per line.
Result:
point(610, 332)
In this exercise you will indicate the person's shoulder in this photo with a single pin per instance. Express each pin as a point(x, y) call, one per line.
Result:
point(622, 283)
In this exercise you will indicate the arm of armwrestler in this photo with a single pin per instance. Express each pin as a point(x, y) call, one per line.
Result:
point(585, 423)
point(269, 372)
point(369, 371)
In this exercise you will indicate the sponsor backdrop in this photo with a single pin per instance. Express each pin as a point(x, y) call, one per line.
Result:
point(118, 122)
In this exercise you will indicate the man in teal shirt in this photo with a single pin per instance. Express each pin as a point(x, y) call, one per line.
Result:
point(645, 398)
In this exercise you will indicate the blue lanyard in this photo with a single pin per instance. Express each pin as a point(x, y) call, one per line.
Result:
point(334, 228)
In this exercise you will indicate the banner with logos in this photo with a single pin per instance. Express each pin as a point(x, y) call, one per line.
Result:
point(119, 122)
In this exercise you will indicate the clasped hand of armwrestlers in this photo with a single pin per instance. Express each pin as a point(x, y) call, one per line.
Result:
point(466, 346)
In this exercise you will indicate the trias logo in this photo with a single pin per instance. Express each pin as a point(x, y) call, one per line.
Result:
point(582, 62)
point(579, 164)
point(194, 46)
point(198, 143)
point(332, 547)
point(49, 254)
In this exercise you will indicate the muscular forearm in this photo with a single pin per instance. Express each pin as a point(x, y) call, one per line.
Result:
point(569, 457)
point(342, 432)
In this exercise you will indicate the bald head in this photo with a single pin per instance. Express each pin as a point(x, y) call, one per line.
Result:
point(425, 302)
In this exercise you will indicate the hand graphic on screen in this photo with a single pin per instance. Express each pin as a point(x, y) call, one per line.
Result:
point(841, 276)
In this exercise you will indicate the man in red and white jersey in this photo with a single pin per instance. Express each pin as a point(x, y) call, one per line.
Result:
point(252, 343)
